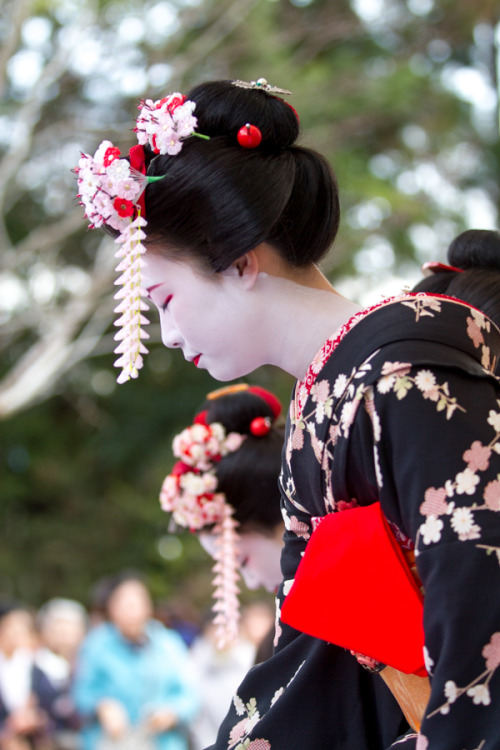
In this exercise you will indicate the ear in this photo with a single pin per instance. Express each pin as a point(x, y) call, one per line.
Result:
point(247, 267)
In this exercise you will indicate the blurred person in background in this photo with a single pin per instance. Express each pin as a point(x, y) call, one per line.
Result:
point(26, 694)
point(62, 624)
point(134, 684)
point(220, 670)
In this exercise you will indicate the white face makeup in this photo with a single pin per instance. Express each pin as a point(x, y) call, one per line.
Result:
point(258, 555)
point(210, 319)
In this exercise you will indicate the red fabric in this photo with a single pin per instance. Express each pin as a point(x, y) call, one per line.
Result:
point(354, 588)
point(138, 161)
point(268, 397)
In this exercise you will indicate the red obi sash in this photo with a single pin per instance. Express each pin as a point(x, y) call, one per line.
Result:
point(354, 587)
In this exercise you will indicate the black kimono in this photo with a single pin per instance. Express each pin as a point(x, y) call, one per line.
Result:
point(400, 407)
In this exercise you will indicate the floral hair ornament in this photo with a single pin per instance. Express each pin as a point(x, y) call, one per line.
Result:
point(111, 190)
point(189, 492)
point(262, 85)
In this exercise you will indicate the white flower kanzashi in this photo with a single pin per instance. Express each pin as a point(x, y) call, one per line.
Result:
point(164, 123)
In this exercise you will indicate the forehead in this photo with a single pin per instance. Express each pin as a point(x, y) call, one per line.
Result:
point(162, 268)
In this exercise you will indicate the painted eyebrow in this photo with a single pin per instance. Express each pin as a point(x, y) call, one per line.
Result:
point(150, 289)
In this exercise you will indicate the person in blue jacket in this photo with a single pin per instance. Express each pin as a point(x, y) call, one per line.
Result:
point(134, 677)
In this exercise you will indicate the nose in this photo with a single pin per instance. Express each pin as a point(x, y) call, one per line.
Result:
point(170, 336)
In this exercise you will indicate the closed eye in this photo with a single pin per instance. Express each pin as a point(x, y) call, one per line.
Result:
point(165, 304)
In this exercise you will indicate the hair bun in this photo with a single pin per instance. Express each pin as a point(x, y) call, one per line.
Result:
point(223, 108)
point(475, 248)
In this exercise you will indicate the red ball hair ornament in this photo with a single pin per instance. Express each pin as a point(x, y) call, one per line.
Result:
point(260, 426)
point(249, 136)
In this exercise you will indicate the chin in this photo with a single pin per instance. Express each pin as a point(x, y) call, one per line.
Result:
point(225, 373)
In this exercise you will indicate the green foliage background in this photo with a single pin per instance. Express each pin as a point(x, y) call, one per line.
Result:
point(81, 460)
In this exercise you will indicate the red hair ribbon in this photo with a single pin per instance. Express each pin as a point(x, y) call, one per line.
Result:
point(268, 397)
point(138, 161)
point(433, 266)
point(271, 400)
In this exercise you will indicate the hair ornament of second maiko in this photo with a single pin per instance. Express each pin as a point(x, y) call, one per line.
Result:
point(111, 191)
point(189, 492)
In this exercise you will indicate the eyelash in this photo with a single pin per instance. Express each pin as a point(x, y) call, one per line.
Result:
point(165, 304)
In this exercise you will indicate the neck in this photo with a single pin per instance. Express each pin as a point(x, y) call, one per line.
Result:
point(304, 312)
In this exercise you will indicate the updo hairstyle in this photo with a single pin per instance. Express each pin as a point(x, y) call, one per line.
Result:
point(477, 252)
point(249, 476)
point(219, 200)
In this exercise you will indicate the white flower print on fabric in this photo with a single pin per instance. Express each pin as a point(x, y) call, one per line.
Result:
point(238, 737)
point(424, 305)
point(480, 694)
point(494, 419)
point(478, 689)
point(476, 324)
point(340, 385)
point(438, 504)
point(244, 727)
point(428, 661)
point(465, 482)
point(278, 630)
point(462, 523)
point(239, 705)
point(431, 530)
point(396, 377)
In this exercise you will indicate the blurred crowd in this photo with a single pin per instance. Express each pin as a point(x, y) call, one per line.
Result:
point(121, 675)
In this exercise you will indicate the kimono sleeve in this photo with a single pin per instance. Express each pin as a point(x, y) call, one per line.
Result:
point(433, 438)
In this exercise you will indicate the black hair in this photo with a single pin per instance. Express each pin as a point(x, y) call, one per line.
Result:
point(477, 252)
point(249, 476)
point(218, 200)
